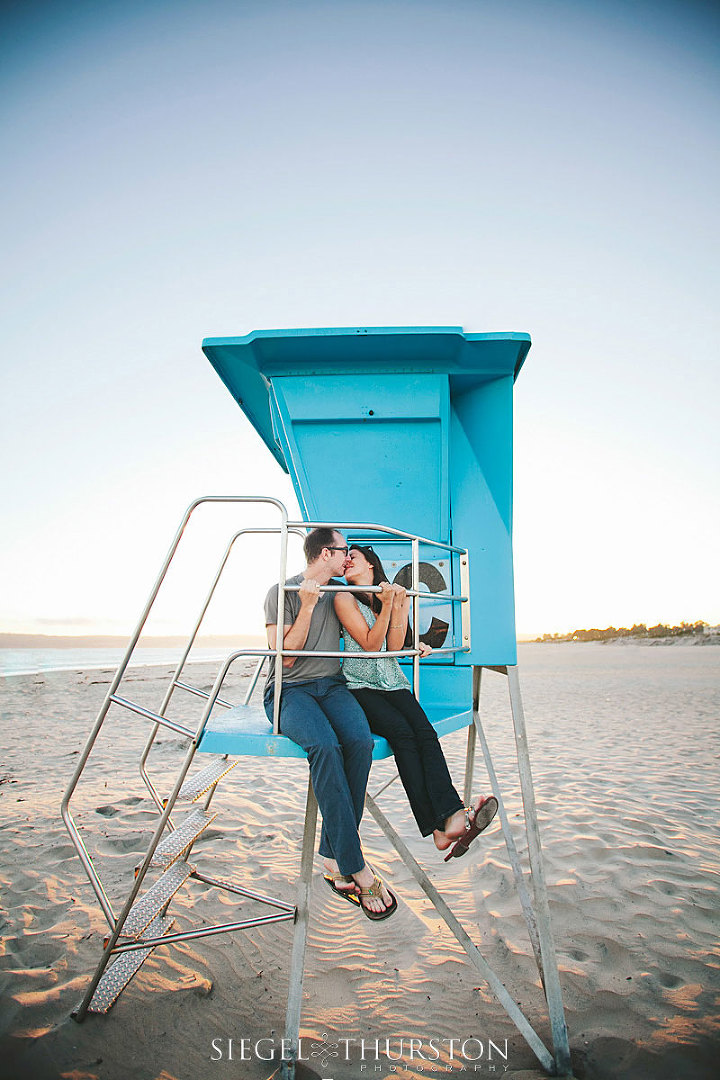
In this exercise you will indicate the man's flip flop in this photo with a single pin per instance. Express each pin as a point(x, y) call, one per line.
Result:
point(347, 894)
point(374, 892)
point(475, 822)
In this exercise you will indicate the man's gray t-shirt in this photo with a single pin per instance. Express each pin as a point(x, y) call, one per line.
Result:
point(323, 635)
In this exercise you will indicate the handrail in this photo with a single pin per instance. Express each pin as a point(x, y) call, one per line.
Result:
point(416, 613)
point(366, 526)
point(378, 588)
point(150, 715)
point(230, 660)
point(201, 932)
point(201, 693)
point(253, 680)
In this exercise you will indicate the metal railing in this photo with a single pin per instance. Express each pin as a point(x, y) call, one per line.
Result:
point(414, 593)
point(212, 698)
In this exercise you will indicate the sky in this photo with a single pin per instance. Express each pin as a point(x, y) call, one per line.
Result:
point(181, 170)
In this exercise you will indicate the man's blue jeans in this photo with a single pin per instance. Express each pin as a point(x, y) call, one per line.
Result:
point(324, 718)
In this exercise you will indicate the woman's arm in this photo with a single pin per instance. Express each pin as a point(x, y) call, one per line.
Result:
point(397, 631)
point(398, 619)
point(369, 638)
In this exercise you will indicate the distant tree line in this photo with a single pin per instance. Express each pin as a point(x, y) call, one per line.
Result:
point(639, 630)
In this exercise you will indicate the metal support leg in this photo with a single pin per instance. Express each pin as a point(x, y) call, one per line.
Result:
point(453, 924)
point(513, 854)
point(297, 962)
point(469, 764)
point(547, 946)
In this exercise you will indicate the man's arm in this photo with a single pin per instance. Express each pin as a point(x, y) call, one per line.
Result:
point(296, 635)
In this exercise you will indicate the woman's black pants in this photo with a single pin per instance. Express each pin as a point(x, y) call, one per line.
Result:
point(398, 717)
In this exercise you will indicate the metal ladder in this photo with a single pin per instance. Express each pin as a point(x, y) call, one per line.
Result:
point(142, 923)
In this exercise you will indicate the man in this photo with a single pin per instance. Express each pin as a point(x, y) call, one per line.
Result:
point(318, 712)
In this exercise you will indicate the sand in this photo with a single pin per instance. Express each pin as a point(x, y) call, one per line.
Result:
point(625, 756)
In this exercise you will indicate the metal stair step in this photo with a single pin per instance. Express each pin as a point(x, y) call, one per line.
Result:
point(151, 903)
point(176, 843)
point(201, 782)
point(119, 973)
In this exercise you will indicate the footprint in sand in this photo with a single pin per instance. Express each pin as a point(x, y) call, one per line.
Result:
point(213, 834)
point(121, 845)
point(111, 809)
point(37, 953)
point(60, 853)
point(670, 982)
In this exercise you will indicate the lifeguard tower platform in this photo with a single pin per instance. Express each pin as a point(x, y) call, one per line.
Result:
point(425, 416)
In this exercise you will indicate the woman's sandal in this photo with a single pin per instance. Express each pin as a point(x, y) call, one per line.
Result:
point(347, 894)
point(374, 892)
point(476, 821)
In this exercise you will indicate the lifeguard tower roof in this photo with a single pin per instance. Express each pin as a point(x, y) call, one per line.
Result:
point(409, 427)
point(245, 364)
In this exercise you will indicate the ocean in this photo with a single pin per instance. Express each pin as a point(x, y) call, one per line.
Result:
point(30, 661)
point(567, 658)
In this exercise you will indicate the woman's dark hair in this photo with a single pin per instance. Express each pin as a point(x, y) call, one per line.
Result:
point(371, 599)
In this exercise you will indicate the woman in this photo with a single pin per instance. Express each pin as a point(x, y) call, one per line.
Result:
point(373, 622)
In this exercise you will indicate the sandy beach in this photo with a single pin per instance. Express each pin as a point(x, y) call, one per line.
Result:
point(625, 746)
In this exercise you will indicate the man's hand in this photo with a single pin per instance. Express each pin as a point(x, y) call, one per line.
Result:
point(309, 593)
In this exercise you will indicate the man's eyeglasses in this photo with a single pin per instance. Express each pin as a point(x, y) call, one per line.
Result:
point(343, 549)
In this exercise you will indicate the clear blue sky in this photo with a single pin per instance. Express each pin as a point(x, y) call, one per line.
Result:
point(177, 170)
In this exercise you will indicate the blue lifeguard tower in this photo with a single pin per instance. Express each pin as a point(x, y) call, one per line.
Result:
point(425, 416)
